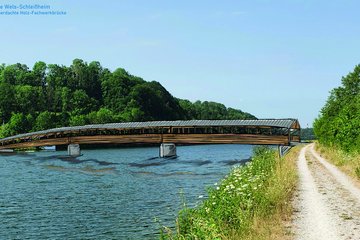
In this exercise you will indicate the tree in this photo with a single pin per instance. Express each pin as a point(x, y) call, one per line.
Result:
point(45, 120)
point(339, 121)
point(27, 99)
point(39, 74)
point(78, 120)
point(81, 103)
point(93, 86)
point(116, 88)
point(104, 115)
point(18, 124)
point(65, 99)
point(155, 102)
point(9, 75)
point(7, 103)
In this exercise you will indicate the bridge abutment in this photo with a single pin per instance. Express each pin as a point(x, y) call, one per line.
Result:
point(167, 150)
point(74, 150)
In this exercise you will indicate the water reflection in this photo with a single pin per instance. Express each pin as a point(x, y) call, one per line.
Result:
point(235, 161)
point(86, 169)
point(75, 160)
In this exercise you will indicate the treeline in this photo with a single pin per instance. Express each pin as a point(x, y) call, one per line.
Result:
point(51, 95)
point(339, 120)
point(307, 134)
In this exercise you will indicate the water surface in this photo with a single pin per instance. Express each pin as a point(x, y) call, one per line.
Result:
point(122, 193)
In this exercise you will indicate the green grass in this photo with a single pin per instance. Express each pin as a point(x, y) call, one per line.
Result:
point(347, 162)
point(250, 203)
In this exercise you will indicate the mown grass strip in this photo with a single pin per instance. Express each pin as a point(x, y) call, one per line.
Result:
point(250, 203)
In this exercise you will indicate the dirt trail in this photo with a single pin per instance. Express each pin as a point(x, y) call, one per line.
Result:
point(327, 203)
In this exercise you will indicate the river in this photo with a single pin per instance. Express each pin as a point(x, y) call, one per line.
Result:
point(124, 193)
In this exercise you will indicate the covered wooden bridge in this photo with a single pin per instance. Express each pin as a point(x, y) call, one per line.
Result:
point(283, 132)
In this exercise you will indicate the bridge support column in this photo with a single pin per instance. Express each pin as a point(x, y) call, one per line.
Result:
point(74, 150)
point(167, 150)
point(283, 150)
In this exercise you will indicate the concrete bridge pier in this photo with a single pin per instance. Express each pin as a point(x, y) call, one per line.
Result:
point(167, 150)
point(74, 150)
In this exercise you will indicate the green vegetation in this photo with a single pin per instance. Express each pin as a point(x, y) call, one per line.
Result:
point(338, 126)
point(250, 203)
point(50, 95)
point(339, 122)
point(348, 162)
point(307, 134)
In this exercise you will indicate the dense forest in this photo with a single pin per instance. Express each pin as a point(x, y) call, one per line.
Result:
point(339, 121)
point(51, 95)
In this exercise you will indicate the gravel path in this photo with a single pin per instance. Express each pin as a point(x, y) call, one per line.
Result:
point(327, 203)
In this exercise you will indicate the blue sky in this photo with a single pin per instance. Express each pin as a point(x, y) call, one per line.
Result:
point(274, 59)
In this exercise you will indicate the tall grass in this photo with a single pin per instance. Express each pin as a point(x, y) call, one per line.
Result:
point(249, 203)
point(347, 162)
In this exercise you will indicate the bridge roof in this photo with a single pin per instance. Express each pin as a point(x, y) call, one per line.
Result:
point(274, 123)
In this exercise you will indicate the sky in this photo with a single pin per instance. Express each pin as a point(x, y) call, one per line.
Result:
point(273, 59)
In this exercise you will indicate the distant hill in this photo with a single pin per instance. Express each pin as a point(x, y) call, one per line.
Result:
point(51, 95)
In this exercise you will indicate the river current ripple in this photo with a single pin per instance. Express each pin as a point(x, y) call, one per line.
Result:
point(125, 193)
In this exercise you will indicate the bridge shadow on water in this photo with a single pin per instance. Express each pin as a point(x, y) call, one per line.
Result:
point(101, 167)
point(75, 160)
point(153, 161)
point(236, 161)
point(149, 164)
point(158, 162)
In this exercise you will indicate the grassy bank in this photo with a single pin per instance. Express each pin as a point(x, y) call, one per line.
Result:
point(349, 163)
point(252, 202)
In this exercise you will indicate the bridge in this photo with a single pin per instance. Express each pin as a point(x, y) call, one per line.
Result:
point(282, 132)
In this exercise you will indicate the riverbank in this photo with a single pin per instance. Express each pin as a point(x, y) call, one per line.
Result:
point(252, 202)
point(349, 163)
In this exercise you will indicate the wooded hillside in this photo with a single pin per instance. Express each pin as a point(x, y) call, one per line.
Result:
point(51, 95)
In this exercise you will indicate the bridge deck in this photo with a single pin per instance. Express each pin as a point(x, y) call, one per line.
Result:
point(273, 131)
